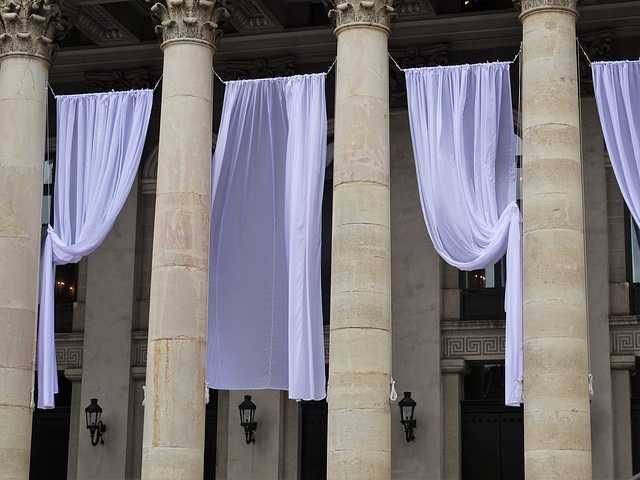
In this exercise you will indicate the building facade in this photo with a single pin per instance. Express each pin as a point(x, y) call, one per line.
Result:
point(437, 331)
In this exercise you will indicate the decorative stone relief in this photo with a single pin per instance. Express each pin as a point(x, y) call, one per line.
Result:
point(195, 19)
point(344, 12)
point(412, 57)
point(139, 349)
point(528, 4)
point(261, 68)
point(473, 340)
point(101, 27)
point(625, 342)
point(252, 16)
point(408, 10)
point(69, 350)
point(33, 27)
point(597, 46)
point(118, 80)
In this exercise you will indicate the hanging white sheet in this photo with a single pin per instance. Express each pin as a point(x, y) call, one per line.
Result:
point(265, 302)
point(100, 138)
point(617, 89)
point(463, 142)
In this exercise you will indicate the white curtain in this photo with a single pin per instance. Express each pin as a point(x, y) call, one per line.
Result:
point(463, 141)
point(265, 302)
point(99, 144)
point(617, 89)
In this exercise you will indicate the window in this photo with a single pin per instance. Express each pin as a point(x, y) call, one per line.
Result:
point(632, 234)
point(482, 291)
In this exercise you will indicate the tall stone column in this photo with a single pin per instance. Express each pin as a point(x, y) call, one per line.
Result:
point(29, 30)
point(556, 399)
point(359, 436)
point(173, 442)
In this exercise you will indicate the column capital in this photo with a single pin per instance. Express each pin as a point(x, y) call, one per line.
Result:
point(189, 20)
point(32, 27)
point(454, 365)
point(527, 6)
point(345, 13)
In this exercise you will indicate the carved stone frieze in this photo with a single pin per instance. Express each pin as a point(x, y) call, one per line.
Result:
point(69, 348)
point(597, 46)
point(412, 57)
point(252, 16)
point(261, 68)
point(189, 19)
point(117, 80)
point(482, 340)
point(408, 10)
point(625, 336)
point(33, 27)
point(345, 12)
point(101, 27)
point(525, 5)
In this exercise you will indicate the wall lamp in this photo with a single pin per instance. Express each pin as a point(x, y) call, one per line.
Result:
point(94, 424)
point(407, 405)
point(247, 419)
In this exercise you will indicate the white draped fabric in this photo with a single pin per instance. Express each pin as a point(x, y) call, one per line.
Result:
point(617, 89)
point(265, 302)
point(100, 138)
point(462, 129)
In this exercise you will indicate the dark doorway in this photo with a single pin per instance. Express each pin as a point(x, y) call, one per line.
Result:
point(210, 436)
point(635, 433)
point(50, 436)
point(313, 462)
point(492, 441)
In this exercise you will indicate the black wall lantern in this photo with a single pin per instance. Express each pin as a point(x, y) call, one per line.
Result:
point(407, 405)
point(247, 418)
point(94, 424)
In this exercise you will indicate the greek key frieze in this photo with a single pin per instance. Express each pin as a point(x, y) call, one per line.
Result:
point(464, 346)
point(625, 342)
point(68, 356)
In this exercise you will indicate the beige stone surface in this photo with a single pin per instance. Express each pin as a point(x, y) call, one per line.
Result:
point(173, 441)
point(556, 409)
point(359, 434)
point(23, 98)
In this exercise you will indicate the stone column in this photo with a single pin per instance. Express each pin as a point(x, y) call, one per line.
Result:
point(556, 400)
point(453, 372)
point(621, 413)
point(28, 30)
point(173, 440)
point(359, 436)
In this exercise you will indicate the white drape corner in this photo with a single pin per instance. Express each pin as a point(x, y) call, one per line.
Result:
point(100, 138)
point(463, 141)
point(265, 301)
point(617, 91)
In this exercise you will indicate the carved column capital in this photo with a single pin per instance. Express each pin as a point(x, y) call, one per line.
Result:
point(32, 27)
point(189, 19)
point(527, 6)
point(348, 12)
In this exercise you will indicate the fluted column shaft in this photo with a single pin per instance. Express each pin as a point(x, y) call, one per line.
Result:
point(29, 34)
point(359, 436)
point(556, 398)
point(173, 442)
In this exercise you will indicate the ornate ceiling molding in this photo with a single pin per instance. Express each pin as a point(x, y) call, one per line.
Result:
point(33, 27)
point(97, 24)
point(409, 10)
point(261, 68)
point(249, 16)
point(117, 80)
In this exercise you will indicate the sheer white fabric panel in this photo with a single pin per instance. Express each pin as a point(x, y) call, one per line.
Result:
point(304, 183)
point(100, 138)
point(462, 129)
point(617, 89)
point(265, 314)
